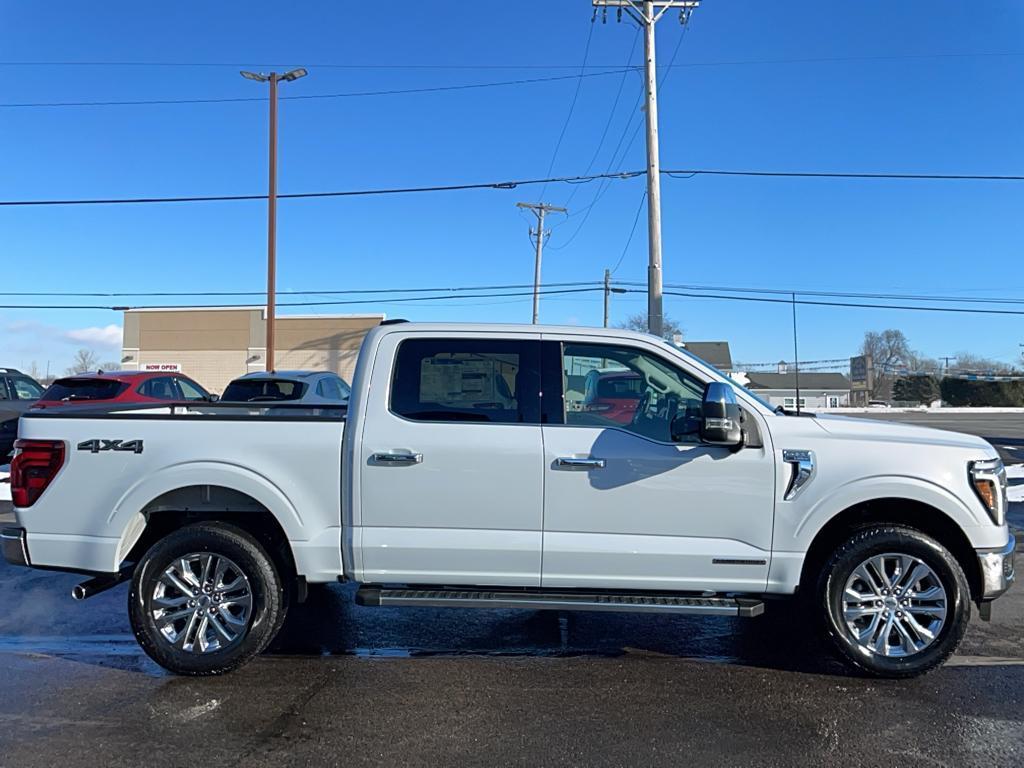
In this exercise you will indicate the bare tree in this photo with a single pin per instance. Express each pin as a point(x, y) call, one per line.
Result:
point(889, 350)
point(85, 361)
point(968, 362)
point(638, 322)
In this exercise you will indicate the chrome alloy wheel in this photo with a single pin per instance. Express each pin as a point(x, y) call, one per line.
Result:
point(894, 605)
point(202, 603)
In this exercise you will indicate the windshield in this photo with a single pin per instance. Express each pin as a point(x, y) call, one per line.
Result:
point(249, 390)
point(25, 388)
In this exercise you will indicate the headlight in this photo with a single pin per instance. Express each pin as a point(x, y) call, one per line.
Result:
point(988, 478)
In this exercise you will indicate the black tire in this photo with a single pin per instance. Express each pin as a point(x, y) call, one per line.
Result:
point(870, 542)
point(265, 616)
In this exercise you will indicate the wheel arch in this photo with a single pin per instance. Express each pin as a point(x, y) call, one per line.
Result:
point(911, 513)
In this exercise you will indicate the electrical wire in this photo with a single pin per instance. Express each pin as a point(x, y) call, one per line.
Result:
point(572, 108)
point(307, 97)
point(639, 210)
point(298, 195)
point(351, 291)
point(349, 302)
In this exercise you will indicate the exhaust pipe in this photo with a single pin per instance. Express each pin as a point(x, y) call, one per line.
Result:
point(98, 584)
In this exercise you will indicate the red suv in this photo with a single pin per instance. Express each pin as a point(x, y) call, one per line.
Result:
point(122, 387)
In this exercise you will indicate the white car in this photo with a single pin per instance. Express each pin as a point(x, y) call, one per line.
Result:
point(465, 474)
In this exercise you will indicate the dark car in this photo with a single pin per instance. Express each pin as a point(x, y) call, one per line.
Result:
point(301, 387)
point(106, 387)
point(18, 392)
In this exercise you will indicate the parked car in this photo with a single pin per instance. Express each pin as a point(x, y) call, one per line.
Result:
point(614, 394)
point(17, 394)
point(459, 478)
point(306, 387)
point(122, 387)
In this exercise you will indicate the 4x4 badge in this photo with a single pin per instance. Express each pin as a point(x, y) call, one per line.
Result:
point(95, 446)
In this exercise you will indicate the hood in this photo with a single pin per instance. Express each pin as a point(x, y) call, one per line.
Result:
point(876, 430)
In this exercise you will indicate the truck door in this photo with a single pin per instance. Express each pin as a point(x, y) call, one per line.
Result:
point(628, 508)
point(452, 472)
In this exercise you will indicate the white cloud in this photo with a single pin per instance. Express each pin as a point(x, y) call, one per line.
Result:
point(107, 336)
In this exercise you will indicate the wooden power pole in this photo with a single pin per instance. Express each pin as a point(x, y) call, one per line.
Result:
point(539, 210)
point(647, 13)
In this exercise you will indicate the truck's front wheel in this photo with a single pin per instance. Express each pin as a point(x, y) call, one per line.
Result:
point(896, 602)
point(205, 599)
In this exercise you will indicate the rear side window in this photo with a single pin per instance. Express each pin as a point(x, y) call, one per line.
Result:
point(159, 388)
point(25, 388)
point(84, 389)
point(473, 380)
point(263, 390)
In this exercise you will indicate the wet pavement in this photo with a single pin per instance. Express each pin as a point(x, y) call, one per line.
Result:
point(347, 685)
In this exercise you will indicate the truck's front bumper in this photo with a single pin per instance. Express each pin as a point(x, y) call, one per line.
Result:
point(997, 572)
point(14, 543)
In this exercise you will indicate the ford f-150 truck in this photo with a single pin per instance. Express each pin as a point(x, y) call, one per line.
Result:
point(466, 472)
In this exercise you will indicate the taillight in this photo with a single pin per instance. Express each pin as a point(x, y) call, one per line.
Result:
point(35, 464)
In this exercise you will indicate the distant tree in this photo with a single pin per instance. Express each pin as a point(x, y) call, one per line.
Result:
point(968, 362)
point(638, 322)
point(889, 350)
point(916, 389)
point(85, 361)
point(109, 366)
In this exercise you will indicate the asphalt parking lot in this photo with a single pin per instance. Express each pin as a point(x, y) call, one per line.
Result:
point(346, 685)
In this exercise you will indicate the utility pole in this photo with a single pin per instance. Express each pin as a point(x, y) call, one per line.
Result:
point(273, 78)
point(945, 364)
point(647, 13)
point(540, 210)
point(608, 291)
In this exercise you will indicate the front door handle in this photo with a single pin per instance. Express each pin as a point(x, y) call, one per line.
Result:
point(568, 462)
point(398, 458)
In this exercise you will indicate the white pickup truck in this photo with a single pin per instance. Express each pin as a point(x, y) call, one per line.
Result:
point(525, 467)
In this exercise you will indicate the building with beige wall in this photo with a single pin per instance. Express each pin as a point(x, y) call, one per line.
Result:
point(214, 345)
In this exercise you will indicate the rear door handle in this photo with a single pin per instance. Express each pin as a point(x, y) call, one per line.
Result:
point(568, 462)
point(398, 458)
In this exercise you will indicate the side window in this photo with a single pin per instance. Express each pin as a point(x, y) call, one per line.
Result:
point(24, 388)
point(160, 388)
point(481, 380)
point(624, 387)
point(190, 391)
point(321, 388)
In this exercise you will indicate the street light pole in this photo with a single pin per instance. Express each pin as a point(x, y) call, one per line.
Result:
point(272, 225)
point(273, 78)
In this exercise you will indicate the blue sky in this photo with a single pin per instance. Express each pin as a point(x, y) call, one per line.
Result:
point(888, 96)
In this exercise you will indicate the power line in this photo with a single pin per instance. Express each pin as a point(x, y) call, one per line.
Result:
point(481, 66)
point(308, 97)
point(349, 302)
point(632, 230)
point(572, 108)
point(845, 294)
point(345, 193)
point(350, 291)
point(524, 182)
point(965, 310)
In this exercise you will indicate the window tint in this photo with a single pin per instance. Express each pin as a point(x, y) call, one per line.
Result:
point(25, 388)
point(332, 388)
point(159, 388)
point(191, 390)
point(619, 386)
point(84, 389)
point(263, 390)
point(481, 380)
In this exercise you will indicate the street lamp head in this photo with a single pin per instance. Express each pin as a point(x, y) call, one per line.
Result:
point(295, 74)
point(257, 76)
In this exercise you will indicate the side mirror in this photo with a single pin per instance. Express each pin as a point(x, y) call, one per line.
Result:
point(213, 398)
point(721, 417)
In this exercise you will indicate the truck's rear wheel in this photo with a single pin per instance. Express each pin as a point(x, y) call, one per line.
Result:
point(206, 599)
point(896, 602)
